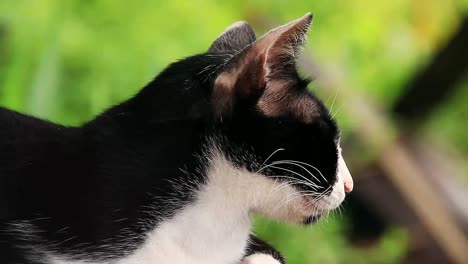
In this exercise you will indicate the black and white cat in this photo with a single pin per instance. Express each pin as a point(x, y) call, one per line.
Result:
point(174, 174)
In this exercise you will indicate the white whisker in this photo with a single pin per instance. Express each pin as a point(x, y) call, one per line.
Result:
point(295, 173)
point(307, 164)
point(333, 103)
point(292, 163)
point(271, 155)
point(296, 181)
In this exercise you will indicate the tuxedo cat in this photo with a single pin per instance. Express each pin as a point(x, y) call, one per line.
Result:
point(174, 174)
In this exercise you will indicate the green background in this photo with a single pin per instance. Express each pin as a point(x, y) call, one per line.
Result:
point(66, 61)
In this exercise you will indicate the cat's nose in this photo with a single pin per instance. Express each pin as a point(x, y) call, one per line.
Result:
point(347, 179)
point(348, 185)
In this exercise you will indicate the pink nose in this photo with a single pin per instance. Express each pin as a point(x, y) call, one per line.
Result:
point(348, 184)
point(344, 172)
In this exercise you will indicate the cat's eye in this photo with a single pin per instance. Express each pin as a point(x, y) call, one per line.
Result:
point(282, 122)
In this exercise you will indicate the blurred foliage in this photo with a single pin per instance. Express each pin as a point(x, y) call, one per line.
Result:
point(447, 120)
point(324, 243)
point(68, 60)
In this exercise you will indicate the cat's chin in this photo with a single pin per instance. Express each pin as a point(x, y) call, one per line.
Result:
point(312, 219)
point(318, 208)
point(306, 210)
point(310, 210)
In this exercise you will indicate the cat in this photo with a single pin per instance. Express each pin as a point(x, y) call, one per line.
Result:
point(174, 174)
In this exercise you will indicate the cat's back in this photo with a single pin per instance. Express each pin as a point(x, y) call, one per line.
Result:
point(28, 145)
point(23, 136)
point(16, 127)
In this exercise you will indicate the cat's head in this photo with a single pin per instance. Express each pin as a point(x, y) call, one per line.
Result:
point(274, 126)
point(275, 136)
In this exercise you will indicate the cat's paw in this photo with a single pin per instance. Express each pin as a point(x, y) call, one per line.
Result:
point(260, 258)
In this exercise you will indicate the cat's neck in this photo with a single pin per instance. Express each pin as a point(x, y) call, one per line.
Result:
point(213, 229)
point(219, 218)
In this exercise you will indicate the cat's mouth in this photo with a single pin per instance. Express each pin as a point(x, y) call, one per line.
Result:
point(312, 219)
point(317, 207)
point(289, 198)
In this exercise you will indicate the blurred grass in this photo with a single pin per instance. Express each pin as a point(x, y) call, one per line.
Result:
point(68, 60)
point(324, 243)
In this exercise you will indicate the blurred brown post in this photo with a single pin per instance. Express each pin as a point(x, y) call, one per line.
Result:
point(377, 132)
point(438, 80)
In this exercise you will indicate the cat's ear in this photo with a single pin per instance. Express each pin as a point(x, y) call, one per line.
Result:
point(234, 38)
point(269, 63)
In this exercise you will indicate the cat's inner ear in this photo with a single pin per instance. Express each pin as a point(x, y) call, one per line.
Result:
point(234, 38)
point(281, 46)
point(268, 64)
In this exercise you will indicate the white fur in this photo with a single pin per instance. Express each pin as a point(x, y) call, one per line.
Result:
point(215, 228)
point(260, 258)
point(337, 195)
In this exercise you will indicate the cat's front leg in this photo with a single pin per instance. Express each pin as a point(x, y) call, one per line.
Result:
point(260, 258)
point(260, 252)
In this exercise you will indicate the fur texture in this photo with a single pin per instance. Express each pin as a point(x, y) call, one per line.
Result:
point(174, 174)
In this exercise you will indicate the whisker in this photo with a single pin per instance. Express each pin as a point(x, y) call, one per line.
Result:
point(333, 103)
point(296, 181)
point(298, 194)
point(307, 164)
point(290, 200)
point(336, 113)
point(279, 187)
point(292, 163)
point(298, 174)
point(295, 173)
point(271, 155)
point(285, 200)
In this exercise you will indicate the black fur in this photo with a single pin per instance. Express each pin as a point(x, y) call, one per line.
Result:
point(97, 189)
point(100, 180)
